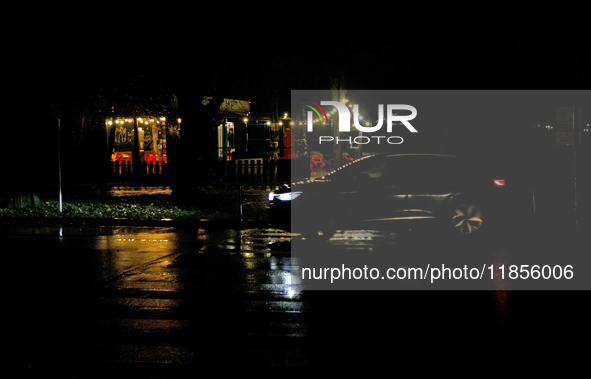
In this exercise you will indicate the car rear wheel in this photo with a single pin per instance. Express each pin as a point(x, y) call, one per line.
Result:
point(466, 219)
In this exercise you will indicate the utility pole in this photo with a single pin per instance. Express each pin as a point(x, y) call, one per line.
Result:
point(567, 135)
point(575, 141)
point(59, 163)
point(59, 111)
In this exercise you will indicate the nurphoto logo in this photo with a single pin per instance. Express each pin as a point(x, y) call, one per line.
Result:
point(344, 125)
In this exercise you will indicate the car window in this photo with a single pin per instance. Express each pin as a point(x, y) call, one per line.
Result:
point(403, 170)
point(374, 172)
point(422, 170)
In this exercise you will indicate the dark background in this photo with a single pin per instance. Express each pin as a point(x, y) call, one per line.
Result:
point(60, 54)
point(256, 51)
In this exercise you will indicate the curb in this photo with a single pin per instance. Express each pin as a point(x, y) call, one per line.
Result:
point(205, 223)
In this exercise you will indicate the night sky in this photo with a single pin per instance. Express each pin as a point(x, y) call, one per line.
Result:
point(260, 53)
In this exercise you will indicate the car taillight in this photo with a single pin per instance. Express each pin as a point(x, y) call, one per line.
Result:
point(499, 182)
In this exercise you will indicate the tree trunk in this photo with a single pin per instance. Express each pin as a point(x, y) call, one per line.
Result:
point(23, 197)
point(195, 156)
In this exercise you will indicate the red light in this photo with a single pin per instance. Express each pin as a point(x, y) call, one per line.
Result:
point(499, 182)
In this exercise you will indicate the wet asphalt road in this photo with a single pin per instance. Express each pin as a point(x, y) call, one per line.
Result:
point(171, 301)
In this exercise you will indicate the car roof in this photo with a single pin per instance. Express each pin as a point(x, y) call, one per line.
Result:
point(419, 154)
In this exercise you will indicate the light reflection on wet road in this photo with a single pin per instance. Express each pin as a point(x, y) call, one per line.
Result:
point(178, 297)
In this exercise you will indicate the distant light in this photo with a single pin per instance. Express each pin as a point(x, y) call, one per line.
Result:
point(245, 120)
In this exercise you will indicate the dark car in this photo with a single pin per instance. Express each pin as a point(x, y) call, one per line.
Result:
point(380, 191)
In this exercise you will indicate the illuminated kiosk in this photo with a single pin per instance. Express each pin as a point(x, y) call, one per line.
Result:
point(153, 134)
